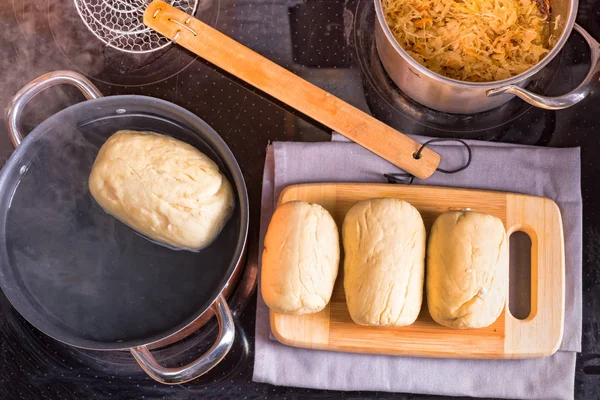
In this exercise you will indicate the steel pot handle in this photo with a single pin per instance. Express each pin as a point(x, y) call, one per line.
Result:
point(202, 365)
point(29, 91)
point(566, 100)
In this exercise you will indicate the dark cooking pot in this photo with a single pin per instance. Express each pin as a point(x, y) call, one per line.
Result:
point(453, 96)
point(82, 277)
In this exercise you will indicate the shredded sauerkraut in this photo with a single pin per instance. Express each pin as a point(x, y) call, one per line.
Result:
point(470, 40)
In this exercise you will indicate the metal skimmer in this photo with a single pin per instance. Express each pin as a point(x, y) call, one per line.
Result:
point(119, 23)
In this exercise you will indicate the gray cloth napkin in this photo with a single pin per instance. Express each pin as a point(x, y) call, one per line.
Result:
point(553, 173)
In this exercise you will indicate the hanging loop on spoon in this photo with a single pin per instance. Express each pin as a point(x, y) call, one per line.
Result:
point(406, 178)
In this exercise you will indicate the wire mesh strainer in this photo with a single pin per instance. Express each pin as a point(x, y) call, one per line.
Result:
point(119, 23)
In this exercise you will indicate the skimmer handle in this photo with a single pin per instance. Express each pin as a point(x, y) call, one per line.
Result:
point(290, 89)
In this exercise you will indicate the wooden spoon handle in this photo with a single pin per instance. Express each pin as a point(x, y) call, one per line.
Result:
point(289, 88)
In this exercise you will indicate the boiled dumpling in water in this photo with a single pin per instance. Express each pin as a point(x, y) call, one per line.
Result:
point(162, 187)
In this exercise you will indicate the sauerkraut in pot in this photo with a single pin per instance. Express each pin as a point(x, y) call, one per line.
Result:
point(470, 40)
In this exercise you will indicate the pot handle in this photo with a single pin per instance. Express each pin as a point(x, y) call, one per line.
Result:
point(29, 91)
point(175, 376)
point(566, 100)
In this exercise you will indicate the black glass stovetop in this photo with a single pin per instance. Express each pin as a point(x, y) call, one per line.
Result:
point(327, 42)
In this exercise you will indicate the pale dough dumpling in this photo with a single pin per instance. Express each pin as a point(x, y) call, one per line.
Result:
point(467, 269)
point(162, 187)
point(300, 260)
point(384, 245)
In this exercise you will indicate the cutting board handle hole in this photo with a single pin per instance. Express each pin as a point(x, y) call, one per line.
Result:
point(519, 287)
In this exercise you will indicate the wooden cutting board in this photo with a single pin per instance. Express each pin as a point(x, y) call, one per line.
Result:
point(538, 335)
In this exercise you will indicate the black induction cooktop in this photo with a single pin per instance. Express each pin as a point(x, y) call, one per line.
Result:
point(328, 42)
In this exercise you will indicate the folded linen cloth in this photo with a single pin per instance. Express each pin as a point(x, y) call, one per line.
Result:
point(549, 172)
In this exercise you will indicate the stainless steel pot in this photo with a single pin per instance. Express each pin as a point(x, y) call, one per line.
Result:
point(453, 96)
point(78, 275)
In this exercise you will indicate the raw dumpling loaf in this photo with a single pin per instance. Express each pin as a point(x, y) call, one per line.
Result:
point(300, 260)
point(467, 269)
point(384, 245)
point(161, 187)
